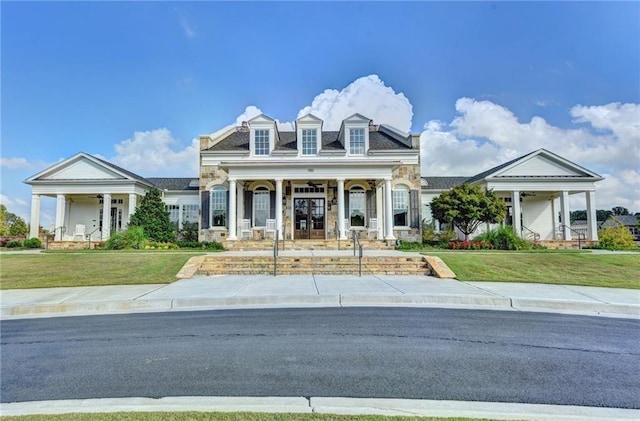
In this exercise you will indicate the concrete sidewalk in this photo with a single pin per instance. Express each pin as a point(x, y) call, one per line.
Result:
point(219, 292)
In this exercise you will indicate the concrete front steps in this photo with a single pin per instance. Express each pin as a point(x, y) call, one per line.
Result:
point(267, 244)
point(219, 264)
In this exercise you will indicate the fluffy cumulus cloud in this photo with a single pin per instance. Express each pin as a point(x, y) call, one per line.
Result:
point(157, 153)
point(368, 96)
point(605, 138)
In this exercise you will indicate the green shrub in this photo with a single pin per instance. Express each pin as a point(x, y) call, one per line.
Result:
point(33, 243)
point(616, 238)
point(204, 245)
point(408, 245)
point(132, 238)
point(505, 238)
point(14, 244)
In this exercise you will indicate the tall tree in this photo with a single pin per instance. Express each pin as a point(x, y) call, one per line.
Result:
point(467, 206)
point(152, 216)
point(579, 215)
point(12, 224)
point(619, 210)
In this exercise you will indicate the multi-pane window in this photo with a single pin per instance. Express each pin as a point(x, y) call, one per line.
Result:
point(309, 142)
point(174, 215)
point(261, 208)
point(261, 145)
point(218, 205)
point(356, 141)
point(400, 206)
point(190, 214)
point(356, 206)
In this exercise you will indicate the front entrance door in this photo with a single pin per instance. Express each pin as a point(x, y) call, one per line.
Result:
point(309, 218)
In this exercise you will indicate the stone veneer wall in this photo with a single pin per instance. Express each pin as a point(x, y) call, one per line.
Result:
point(410, 175)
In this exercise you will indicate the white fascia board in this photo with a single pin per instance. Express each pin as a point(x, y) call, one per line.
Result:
point(94, 188)
point(296, 170)
point(332, 152)
point(532, 185)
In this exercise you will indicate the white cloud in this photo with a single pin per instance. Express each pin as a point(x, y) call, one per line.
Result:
point(368, 96)
point(6, 200)
point(150, 153)
point(484, 134)
point(18, 163)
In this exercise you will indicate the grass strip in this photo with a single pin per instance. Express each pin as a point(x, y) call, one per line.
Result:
point(588, 269)
point(45, 270)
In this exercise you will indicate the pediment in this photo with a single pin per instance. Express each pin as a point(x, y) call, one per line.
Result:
point(309, 118)
point(82, 167)
point(261, 119)
point(543, 163)
point(356, 118)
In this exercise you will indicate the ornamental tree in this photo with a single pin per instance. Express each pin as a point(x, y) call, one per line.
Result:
point(466, 206)
point(153, 217)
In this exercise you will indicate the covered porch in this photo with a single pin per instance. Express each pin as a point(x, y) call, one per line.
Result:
point(307, 201)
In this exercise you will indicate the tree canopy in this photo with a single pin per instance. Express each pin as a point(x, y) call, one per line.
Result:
point(467, 206)
point(12, 224)
point(152, 216)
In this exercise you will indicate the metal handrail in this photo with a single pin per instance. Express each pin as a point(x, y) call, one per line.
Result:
point(536, 236)
point(275, 253)
point(581, 235)
point(356, 241)
point(89, 236)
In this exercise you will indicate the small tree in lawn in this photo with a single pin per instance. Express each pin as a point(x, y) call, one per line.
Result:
point(152, 216)
point(467, 206)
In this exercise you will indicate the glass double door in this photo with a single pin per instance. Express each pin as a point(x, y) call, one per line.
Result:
point(310, 218)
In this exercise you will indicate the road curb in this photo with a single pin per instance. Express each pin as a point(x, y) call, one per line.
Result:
point(489, 302)
point(324, 405)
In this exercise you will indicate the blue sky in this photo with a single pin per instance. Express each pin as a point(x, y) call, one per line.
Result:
point(136, 82)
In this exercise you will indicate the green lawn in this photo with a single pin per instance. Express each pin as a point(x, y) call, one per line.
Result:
point(219, 416)
point(567, 268)
point(89, 268)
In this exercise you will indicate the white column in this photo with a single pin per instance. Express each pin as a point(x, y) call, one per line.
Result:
point(379, 210)
point(233, 217)
point(60, 206)
point(592, 222)
point(388, 211)
point(515, 213)
point(564, 211)
point(35, 216)
point(132, 206)
point(279, 206)
point(106, 216)
point(342, 234)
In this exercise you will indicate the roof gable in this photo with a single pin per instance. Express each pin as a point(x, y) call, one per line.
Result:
point(82, 166)
point(540, 163)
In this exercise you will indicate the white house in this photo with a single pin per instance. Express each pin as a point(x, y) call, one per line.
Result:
point(257, 181)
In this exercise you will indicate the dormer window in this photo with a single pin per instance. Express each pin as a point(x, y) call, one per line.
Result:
point(309, 141)
point(261, 146)
point(356, 142)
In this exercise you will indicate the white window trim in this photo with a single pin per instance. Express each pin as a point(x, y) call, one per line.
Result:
point(262, 190)
point(407, 190)
point(359, 189)
point(219, 227)
point(347, 140)
point(318, 137)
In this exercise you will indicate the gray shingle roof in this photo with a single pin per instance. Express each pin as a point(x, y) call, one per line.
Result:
point(179, 183)
point(443, 183)
point(239, 140)
point(627, 220)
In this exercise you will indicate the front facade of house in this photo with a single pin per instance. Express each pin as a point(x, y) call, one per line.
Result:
point(257, 181)
point(309, 183)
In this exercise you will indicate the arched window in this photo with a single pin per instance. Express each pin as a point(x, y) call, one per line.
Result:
point(401, 206)
point(219, 207)
point(357, 206)
point(261, 206)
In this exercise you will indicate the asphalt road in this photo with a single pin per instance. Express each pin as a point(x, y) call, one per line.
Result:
point(417, 353)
